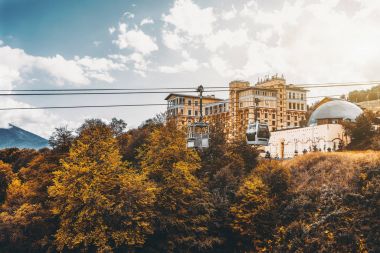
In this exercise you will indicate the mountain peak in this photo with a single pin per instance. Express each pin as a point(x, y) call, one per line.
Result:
point(16, 137)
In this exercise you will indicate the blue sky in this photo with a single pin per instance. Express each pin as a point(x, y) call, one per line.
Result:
point(176, 43)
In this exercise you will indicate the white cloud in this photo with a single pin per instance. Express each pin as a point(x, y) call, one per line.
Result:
point(15, 64)
point(135, 39)
point(111, 30)
point(228, 15)
point(128, 14)
point(139, 62)
point(146, 21)
point(1, 42)
point(222, 67)
point(16, 67)
point(227, 37)
point(315, 41)
point(172, 40)
point(39, 122)
point(188, 65)
point(97, 43)
point(189, 18)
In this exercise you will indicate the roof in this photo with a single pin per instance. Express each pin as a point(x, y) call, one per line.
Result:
point(335, 109)
point(257, 88)
point(293, 87)
point(191, 96)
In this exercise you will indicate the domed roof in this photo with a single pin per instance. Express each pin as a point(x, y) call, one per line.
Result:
point(335, 109)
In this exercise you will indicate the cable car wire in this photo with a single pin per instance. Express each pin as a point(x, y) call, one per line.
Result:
point(77, 107)
point(113, 106)
point(178, 89)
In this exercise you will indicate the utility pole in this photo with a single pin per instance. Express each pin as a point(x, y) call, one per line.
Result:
point(200, 90)
point(257, 100)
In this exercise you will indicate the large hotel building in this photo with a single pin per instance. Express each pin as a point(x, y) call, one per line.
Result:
point(280, 105)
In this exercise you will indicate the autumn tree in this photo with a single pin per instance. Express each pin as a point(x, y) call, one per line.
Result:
point(224, 165)
point(6, 176)
point(133, 140)
point(102, 205)
point(26, 222)
point(17, 158)
point(183, 202)
point(256, 212)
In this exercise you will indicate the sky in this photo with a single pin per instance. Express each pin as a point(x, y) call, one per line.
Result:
point(67, 44)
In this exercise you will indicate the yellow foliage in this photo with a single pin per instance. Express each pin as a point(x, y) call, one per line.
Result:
point(100, 202)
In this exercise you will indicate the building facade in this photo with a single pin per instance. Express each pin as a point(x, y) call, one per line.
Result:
point(324, 132)
point(288, 143)
point(280, 105)
point(185, 109)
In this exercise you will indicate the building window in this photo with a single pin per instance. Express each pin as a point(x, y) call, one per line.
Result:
point(298, 106)
point(290, 105)
point(181, 111)
point(301, 96)
point(189, 112)
point(295, 117)
point(288, 117)
point(206, 111)
point(196, 113)
point(196, 102)
point(273, 123)
point(288, 123)
point(189, 102)
point(266, 115)
point(302, 108)
point(273, 116)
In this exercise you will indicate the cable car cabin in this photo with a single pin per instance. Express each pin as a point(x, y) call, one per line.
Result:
point(258, 134)
point(198, 135)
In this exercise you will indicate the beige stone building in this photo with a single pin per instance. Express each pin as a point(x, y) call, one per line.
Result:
point(280, 105)
point(186, 108)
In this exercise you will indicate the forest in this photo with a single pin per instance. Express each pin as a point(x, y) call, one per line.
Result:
point(101, 188)
point(365, 95)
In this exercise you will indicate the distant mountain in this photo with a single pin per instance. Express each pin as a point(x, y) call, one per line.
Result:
point(15, 137)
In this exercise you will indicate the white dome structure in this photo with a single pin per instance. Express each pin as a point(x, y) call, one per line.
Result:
point(334, 111)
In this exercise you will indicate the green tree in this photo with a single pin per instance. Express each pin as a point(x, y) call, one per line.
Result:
point(61, 140)
point(361, 131)
point(102, 205)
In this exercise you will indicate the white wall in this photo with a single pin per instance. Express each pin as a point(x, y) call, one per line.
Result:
point(323, 136)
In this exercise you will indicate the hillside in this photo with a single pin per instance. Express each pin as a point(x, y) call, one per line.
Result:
point(223, 199)
point(335, 203)
point(15, 137)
